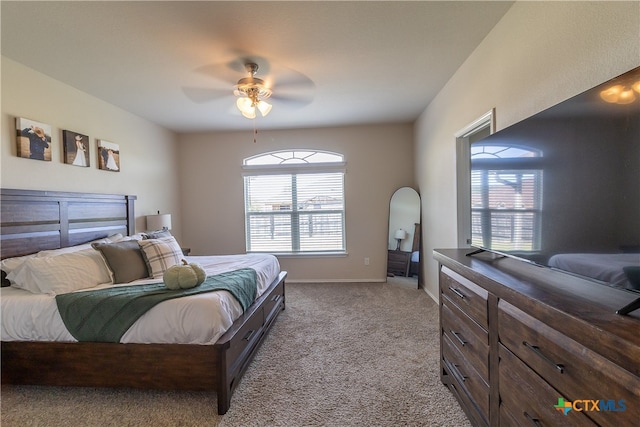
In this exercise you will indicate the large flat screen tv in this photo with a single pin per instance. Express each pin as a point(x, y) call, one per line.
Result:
point(562, 188)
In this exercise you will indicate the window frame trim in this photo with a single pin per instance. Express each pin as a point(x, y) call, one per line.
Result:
point(303, 168)
point(293, 169)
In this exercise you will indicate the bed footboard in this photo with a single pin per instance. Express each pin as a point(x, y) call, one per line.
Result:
point(237, 347)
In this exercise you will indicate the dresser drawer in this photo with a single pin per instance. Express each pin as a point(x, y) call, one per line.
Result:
point(471, 298)
point(471, 340)
point(466, 376)
point(575, 371)
point(527, 400)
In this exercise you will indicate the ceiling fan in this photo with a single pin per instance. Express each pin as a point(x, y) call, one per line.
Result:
point(282, 86)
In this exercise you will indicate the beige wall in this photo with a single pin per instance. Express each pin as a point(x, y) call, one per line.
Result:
point(379, 161)
point(538, 55)
point(148, 154)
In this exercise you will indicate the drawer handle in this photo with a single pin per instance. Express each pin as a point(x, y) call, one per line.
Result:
point(248, 335)
point(457, 292)
point(457, 374)
point(276, 298)
point(533, 421)
point(540, 354)
point(458, 337)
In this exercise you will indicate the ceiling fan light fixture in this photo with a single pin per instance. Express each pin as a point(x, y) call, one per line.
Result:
point(245, 105)
point(264, 107)
point(252, 91)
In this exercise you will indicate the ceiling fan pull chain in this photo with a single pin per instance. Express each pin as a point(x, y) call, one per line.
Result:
point(255, 131)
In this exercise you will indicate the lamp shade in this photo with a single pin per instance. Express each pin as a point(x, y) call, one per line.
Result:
point(264, 108)
point(159, 222)
point(245, 105)
point(400, 234)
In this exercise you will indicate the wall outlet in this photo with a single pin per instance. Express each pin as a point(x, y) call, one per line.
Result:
point(366, 261)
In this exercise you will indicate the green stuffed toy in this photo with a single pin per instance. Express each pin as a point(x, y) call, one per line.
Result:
point(184, 276)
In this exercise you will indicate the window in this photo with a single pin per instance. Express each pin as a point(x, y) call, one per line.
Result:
point(506, 197)
point(294, 202)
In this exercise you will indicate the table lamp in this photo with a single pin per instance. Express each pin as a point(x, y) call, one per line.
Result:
point(399, 236)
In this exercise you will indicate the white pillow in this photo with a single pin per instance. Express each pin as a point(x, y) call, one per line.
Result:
point(61, 274)
point(160, 254)
point(9, 264)
point(81, 247)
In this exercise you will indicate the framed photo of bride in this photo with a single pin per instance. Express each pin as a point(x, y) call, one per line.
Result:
point(108, 156)
point(76, 148)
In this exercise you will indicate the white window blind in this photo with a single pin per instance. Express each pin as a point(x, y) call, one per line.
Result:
point(505, 209)
point(506, 198)
point(297, 209)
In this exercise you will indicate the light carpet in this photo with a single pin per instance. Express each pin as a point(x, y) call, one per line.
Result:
point(339, 355)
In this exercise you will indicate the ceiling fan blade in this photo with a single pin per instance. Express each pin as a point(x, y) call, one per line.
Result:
point(240, 64)
point(299, 100)
point(286, 78)
point(221, 72)
point(289, 86)
point(234, 70)
point(201, 95)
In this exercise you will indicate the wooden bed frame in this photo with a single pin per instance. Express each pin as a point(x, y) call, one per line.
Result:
point(38, 220)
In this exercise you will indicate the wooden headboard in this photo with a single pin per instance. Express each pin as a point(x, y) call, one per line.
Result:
point(32, 220)
point(416, 238)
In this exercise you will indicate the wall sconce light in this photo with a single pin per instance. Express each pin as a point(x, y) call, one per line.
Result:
point(159, 222)
point(399, 236)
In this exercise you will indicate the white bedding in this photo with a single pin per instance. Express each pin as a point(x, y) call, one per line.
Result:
point(197, 319)
point(604, 267)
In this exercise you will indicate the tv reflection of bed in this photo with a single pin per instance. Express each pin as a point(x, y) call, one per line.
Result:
point(618, 269)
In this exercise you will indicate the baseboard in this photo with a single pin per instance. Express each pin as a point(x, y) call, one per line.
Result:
point(433, 297)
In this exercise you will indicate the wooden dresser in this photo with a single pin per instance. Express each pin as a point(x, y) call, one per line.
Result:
point(519, 343)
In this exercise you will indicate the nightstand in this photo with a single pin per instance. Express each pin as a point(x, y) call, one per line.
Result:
point(398, 263)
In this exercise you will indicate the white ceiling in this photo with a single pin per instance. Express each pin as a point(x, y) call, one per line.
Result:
point(363, 61)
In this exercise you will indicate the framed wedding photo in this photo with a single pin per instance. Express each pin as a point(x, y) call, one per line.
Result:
point(76, 148)
point(33, 139)
point(108, 156)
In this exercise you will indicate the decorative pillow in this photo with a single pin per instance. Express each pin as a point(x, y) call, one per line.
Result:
point(124, 259)
point(158, 234)
point(160, 254)
point(61, 274)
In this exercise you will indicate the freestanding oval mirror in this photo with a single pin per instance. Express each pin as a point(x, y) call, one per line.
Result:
point(403, 260)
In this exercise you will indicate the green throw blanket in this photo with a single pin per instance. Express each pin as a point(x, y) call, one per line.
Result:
point(104, 315)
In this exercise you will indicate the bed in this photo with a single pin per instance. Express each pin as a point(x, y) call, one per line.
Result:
point(36, 221)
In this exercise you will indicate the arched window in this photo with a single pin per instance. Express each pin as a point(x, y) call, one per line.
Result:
point(294, 202)
point(506, 197)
